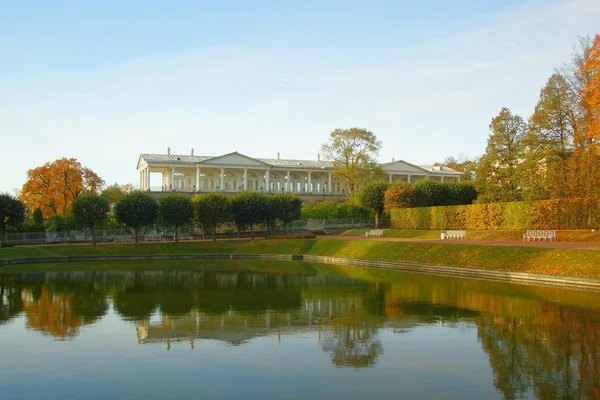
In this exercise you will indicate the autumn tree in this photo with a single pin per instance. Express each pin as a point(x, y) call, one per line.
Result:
point(462, 164)
point(113, 193)
point(53, 186)
point(176, 209)
point(12, 213)
point(371, 196)
point(398, 195)
point(135, 210)
point(353, 153)
point(210, 211)
point(89, 210)
point(497, 172)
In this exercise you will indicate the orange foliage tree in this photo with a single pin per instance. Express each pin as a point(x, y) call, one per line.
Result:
point(53, 186)
point(591, 93)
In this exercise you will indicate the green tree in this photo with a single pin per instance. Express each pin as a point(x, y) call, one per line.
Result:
point(372, 196)
point(398, 195)
point(324, 210)
point(135, 210)
point(497, 173)
point(38, 217)
point(461, 193)
point(430, 193)
point(89, 210)
point(176, 210)
point(61, 223)
point(249, 209)
point(352, 211)
point(353, 153)
point(286, 207)
point(12, 213)
point(113, 193)
point(553, 125)
point(211, 210)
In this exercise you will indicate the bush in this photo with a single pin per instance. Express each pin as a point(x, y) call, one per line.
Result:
point(371, 196)
point(398, 195)
point(352, 211)
point(297, 236)
point(580, 213)
point(324, 210)
point(61, 223)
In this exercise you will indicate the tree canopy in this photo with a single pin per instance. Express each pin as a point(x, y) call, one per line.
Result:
point(12, 213)
point(135, 210)
point(89, 210)
point(176, 209)
point(353, 153)
point(54, 185)
point(249, 209)
point(211, 210)
point(286, 208)
point(372, 196)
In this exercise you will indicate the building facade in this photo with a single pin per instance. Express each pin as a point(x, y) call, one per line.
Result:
point(236, 172)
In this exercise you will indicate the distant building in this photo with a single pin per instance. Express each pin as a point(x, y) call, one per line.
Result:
point(235, 172)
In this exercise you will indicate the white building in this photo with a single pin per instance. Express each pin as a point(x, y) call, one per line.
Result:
point(235, 172)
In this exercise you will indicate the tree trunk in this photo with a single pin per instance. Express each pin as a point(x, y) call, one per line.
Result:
point(3, 234)
point(377, 217)
point(136, 234)
point(176, 234)
point(214, 232)
point(251, 231)
point(93, 234)
point(284, 226)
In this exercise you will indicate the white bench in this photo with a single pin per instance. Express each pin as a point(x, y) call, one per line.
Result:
point(374, 233)
point(545, 235)
point(454, 235)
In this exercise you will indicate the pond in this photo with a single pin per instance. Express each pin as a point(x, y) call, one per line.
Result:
point(225, 329)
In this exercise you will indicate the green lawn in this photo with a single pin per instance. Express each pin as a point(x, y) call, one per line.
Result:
point(582, 263)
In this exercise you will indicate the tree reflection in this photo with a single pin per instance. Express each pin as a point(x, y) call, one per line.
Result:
point(11, 301)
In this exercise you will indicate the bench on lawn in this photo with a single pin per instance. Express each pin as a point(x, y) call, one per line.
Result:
point(374, 233)
point(454, 235)
point(545, 235)
point(152, 237)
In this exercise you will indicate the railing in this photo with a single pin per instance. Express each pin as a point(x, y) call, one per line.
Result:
point(164, 189)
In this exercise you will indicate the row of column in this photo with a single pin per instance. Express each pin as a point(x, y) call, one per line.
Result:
point(169, 180)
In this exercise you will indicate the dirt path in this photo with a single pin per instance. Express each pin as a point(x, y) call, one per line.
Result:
point(547, 245)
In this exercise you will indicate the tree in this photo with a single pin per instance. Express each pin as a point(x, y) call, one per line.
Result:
point(591, 95)
point(38, 216)
point(461, 193)
point(398, 195)
point(113, 193)
point(460, 163)
point(61, 223)
point(430, 193)
point(497, 172)
point(550, 140)
point(372, 196)
point(323, 210)
point(89, 210)
point(353, 152)
point(211, 210)
point(53, 186)
point(286, 207)
point(176, 209)
point(135, 210)
point(12, 213)
point(249, 209)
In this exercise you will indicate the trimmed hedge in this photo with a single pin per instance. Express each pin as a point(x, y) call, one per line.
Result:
point(579, 213)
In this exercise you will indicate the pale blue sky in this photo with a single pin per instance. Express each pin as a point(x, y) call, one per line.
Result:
point(106, 81)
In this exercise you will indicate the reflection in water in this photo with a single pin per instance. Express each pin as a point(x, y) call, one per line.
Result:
point(539, 341)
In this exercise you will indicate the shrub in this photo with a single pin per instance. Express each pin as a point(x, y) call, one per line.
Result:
point(324, 210)
point(398, 195)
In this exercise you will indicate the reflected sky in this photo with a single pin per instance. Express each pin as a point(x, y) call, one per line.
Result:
point(333, 332)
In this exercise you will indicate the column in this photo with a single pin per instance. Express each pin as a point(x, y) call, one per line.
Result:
point(289, 181)
point(267, 181)
point(172, 183)
point(309, 182)
point(329, 183)
point(148, 177)
point(245, 178)
point(197, 178)
point(409, 179)
point(391, 178)
point(141, 182)
point(222, 179)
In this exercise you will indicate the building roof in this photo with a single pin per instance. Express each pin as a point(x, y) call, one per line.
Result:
point(284, 163)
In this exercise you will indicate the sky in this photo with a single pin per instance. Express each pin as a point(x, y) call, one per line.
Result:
point(103, 82)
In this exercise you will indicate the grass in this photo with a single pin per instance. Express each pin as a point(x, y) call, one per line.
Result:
point(563, 236)
point(580, 263)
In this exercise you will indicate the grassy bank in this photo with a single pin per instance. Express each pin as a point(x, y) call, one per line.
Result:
point(563, 236)
point(580, 263)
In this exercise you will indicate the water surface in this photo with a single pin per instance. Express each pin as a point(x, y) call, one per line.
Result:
point(291, 330)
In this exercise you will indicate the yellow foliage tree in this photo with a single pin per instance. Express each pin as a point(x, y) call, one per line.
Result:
point(53, 186)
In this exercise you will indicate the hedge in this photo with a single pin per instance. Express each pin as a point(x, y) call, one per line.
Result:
point(578, 213)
